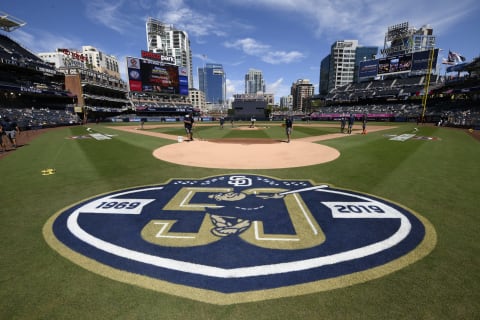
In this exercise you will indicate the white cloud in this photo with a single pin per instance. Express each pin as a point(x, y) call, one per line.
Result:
point(263, 51)
point(249, 46)
point(234, 87)
point(27, 40)
point(122, 66)
point(277, 57)
point(177, 13)
point(366, 20)
point(110, 14)
point(45, 41)
point(278, 88)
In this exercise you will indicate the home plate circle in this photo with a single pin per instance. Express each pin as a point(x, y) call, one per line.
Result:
point(246, 154)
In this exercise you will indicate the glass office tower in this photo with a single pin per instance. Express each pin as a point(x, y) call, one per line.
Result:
point(212, 82)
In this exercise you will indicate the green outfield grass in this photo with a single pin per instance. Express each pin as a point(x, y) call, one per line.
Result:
point(439, 179)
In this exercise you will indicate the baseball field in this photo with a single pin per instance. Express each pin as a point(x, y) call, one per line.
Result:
point(432, 172)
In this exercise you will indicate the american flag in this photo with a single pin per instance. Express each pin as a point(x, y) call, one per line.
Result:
point(453, 58)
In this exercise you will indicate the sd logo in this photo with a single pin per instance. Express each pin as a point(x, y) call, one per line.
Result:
point(237, 238)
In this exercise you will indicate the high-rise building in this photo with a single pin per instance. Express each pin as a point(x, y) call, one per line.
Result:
point(301, 90)
point(164, 39)
point(197, 97)
point(340, 67)
point(324, 76)
point(212, 81)
point(286, 102)
point(342, 63)
point(254, 82)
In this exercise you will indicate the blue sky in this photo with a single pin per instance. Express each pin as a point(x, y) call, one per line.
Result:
point(285, 39)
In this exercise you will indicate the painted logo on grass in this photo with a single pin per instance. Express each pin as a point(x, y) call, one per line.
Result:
point(238, 238)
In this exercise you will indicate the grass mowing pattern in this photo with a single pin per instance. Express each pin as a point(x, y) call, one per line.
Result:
point(438, 179)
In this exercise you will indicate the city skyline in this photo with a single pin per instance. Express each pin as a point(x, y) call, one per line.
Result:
point(286, 40)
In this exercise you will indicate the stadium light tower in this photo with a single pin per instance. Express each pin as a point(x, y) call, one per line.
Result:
point(9, 23)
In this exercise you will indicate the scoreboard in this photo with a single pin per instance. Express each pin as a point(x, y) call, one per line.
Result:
point(151, 76)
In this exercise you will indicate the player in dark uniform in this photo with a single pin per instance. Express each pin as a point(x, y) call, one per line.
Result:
point(222, 121)
point(3, 136)
point(364, 124)
point(288, 127)
point(351, 120)
point(12, 130)
point(188, 123)
point(342, 124)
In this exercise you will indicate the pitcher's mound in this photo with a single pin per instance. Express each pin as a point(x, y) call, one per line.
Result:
point(246, 155)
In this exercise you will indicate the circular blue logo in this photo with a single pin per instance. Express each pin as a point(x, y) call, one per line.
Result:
point(237, 238)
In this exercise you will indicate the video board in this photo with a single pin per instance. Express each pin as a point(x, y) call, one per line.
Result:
point(155, 77)
point(403, 63)
point(395, 64)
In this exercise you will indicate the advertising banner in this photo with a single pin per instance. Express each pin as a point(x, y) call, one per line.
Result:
point(368, 68)
point(420, 60)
